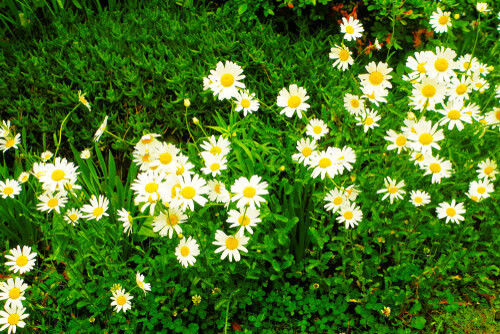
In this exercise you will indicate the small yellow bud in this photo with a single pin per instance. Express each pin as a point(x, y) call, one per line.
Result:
point(196, 121)
point(174, 314)
point(187, 103)
point(180, 235)
point(282, 168)
point(353, 178)
point(411, 116)
point(491, 68)
point(234, 134)
point(456, 16)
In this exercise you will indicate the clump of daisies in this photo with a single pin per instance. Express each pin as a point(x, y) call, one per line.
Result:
point(8, 138)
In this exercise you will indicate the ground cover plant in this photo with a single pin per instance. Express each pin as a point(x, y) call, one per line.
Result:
point(198, 173)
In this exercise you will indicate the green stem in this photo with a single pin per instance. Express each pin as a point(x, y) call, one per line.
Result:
point(61, 128)
point(121, 139)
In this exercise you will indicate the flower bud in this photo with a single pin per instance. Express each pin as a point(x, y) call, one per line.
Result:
point(411, 116)
point(196, 121)
point(187, 103)
point(456, 16)
point(282, 168)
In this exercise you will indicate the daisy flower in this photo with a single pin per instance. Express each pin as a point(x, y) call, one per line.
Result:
point(166, 155)
point(323, 162)
point(398, 141)
point(12, 318)
point(473, 111)
point(9, 188)
point(459, 89)
point(85, 154)
point(186, 251)
point(368, 120)
point(335, 199)
point(13, 291)
point(428, 93)
point(352, 192)
point(10, 142)
point(121, 300)
point(45, 156)
point(226, 80)
point(83, 100)
point(420, 159)
point(216, 146)
point(420, 198)
point(354, 104)
point(343, 57)
point(5, 129)
point(438, 168)
point(23, 177)
point(127, 220)
point(483, 69)
point(96, 209)
point(352, 28)
point(139, 279)
point(418, 64)
point(479, 84)
point(50, 201)
point(230, 245)
point(245, 219)
point(22, 261)
point(217, 192)
point(306, 147)
point(184, 167)
point(101, 129)
point(350, 214)
point(454, 115)
point(58, 174)
point(166, 223)
point(425, 137)
point(441, 64)
point(191, 191)
point(374, 96)
point(440, 21)
point(467, 63)
point(38, 170)
point(482, 7)
point(316, 128)
point(246, 102)
point(487, 169)
point(481, 189)
point(293, 100)
point(249, 192)
point(392, 189)
point(72, 216)
point(149, 184)
point(345, 157)
point(451, 211)
point(214, 164)
point(377, 78)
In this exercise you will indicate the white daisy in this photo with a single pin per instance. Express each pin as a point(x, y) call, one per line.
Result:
point(487, 169)
point(226, 80)
point(214, 164)
point(467, 63)
point(12, 318)
point(316, 128)
point(21, 260)
point(438, 168)
point(481, 189)
point(71, 216)
point(440, 21)
point(398, 141)
point(121, 300)
point(418, 64)
point(377, 78)
point(454, 115)
point(335, 199)
point(245, 219)
point(127, 220)
point(45, 156)
point(343, 57)
point(368, 120)
point(306, 147)
point(324, 162)
point(58, 174)
point(293, 100)
point(425, 137)
point(168, 222)
point(246, 102)
point(139, 279)
point(351, 28)
point(354, 104)
point(451, 211)
point(217, 146)
point(101, 129)
point(13, 291)
point(249, 192)
point(230, 245)
point(192, 190)
point(96, 209)
point(85, 154)
point(186, 251)
point(392, 189)
point(10, 142)
point(459, 89)
point(23, 177)
point(420, 198)
point(50, 201)
point(427, 93)
point(9, 188)
point(442, 64)
point(217, 192)
point(350, 214)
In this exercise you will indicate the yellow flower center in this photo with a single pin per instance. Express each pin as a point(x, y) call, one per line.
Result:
point(13, 319)
point(454, 115)
point(392, 190)
point(9, 143)
point(58, 175)
point(215, 167)
point(227, 80)
point(185, 251)
point(188, 192)
point(434, 167)
point(497, 115)
point(337, 200)
point(97, 211)
point(151, 187)
point(443, 20)
point(245, 103)
point(421, 68)
point(344, 55)
point(147, 140)
point(8, 191)
point(172, 220)
point(418, 200)
point(401, 141)
point(121, 300)
point(376, 78)
point(165, 158)
point(140, 284)
point(249, 192)
point(317, 129)
point(488, 170)
point(425, 138)
point(180, 170)
point(243, 221)
point(349, 30)
point(52, 203)
point(441, 65)
point(368, 121)
point(354, 103)
point(429, 91)
point(481, 190)
point(231, 243)
point(73, 216)
point(419, 157)
point(215, 150)
point(348, 215)
point(294, 101)
point(14, 293)
point(174, 190)
point(217, 188)
point(479, 84)
point(451, 212)
point(21, 261)
point(324, 163)
point(145, 158)
point(306, 151)
point(461, 89)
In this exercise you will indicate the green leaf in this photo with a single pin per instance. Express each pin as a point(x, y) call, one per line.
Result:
point(242, 8)
point(418, 322)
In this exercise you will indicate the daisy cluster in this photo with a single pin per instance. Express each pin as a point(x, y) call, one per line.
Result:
point(12, 291)
point(121, 299)
point(8, 138)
